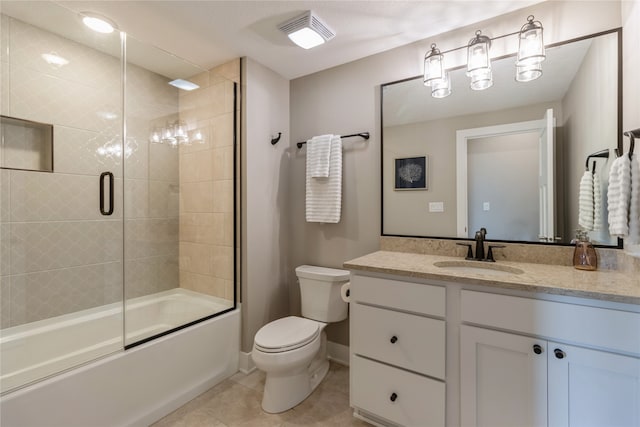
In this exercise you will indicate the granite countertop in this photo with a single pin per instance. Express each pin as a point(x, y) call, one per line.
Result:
point(553, 279)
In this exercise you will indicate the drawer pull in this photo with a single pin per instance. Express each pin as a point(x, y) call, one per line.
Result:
point(393, 397)
point(393, 340)
point(537, 349)
point(559, 353)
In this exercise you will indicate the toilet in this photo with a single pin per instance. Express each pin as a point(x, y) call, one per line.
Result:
point(292, 351)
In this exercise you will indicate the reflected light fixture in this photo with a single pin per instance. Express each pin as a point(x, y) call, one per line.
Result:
point(478, 62)
point(529, 72)
point(98, 23)
point(433, 66)
point(307, 30)
point(441, 88)
point(184, 84)
point(52, 58)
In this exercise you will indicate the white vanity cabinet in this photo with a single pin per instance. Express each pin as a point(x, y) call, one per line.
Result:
point(397, 332)
point(529, 362)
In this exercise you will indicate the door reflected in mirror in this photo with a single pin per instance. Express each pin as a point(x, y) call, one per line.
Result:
point(509, 158)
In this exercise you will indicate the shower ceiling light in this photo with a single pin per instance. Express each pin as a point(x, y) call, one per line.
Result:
point(98, 23)
point(184, 84)
point(307, 30)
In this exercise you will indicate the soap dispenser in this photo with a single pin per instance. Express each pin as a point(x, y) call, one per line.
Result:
point(584, 255)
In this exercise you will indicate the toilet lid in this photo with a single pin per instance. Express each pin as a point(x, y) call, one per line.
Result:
point(286, 334)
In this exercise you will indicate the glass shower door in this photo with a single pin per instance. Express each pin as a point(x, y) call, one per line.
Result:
point(61, 187)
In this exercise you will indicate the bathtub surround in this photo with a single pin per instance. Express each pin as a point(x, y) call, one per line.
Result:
point(206, 184)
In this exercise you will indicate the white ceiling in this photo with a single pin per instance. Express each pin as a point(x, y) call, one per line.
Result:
point(209, 33)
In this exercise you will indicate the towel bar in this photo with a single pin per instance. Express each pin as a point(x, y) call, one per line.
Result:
point(364, 135)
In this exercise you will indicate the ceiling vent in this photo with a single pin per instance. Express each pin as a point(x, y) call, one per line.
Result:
point(307, 30)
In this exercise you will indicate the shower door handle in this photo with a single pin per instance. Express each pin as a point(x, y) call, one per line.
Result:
point(102, 176)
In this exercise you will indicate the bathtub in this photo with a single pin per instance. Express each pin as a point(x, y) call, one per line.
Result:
point(130, 387)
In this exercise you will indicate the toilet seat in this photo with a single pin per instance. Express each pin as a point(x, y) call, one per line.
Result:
point(288, 333)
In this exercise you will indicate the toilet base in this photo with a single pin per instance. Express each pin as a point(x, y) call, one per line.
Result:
point(283, 392)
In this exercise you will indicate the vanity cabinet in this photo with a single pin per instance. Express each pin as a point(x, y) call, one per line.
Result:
point(397, 352)
point(510, 377)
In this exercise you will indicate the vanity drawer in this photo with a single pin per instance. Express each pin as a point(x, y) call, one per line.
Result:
point(412, 342)
point(593, 326)
point(406, 296)
point(419, 401)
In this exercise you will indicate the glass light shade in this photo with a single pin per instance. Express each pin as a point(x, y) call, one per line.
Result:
point(441, 88)
point(530, 43)
point(156, 136)
point(478, 60)
point(167, 136)
point(180, 132)
point(527, 73)
point(481, 80)
point(306, 38)
point(433, 66)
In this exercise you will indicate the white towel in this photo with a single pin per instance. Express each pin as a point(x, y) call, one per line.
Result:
point(318, 154)
point(634, 204)
point(597, 203)
point(618, 195)
point(585, 201)
point(324, 195)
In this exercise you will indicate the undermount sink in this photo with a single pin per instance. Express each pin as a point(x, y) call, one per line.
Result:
point(478, 267)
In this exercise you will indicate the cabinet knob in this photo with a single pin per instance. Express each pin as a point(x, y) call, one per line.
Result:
point(393, 340)
point(393, 397)
point(559, 353)
point(537, 349)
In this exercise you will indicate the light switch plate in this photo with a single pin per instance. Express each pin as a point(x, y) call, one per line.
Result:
point(436, 206)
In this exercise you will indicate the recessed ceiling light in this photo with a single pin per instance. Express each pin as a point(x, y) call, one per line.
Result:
point(98, 23)
point(307, 30)
point(184, 84)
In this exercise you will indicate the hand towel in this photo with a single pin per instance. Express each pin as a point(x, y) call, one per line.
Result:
point(324, 195)
point(585, 201)
point(597, 203)
point(318, 155)
point(618, 195)
point(634, 203)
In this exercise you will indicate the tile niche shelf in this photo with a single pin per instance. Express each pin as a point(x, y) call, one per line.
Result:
point(26, 145)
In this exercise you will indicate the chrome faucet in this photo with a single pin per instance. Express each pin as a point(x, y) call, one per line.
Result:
point(480, 235)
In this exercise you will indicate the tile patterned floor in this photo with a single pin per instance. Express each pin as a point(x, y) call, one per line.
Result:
point(236, 402)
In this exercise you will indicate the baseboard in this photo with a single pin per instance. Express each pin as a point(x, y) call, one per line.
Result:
point(338, 353)
point(246, 365)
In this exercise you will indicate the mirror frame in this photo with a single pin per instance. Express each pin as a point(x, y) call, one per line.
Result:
point(620, 244)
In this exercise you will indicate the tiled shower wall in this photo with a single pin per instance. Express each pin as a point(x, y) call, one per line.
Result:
point(59, 254)
point(206, 184)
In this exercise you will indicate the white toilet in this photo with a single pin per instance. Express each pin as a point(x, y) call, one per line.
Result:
point(292, 350)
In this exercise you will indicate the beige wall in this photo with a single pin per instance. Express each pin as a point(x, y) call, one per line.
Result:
point(266, 200)
point(590, 124)
point(345, 99)
point(406, 212)
point(206, 184)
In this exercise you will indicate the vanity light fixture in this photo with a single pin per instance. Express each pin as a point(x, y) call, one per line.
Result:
point(175, 134)
point(307, 30)
point(528, 62)
point(98, 23)
point(478, 62)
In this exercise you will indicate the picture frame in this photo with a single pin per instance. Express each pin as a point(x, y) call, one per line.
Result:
point(411, 173)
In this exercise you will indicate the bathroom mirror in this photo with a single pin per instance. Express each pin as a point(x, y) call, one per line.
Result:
point(509, 158)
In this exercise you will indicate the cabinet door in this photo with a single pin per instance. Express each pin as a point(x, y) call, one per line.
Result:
point(503, 379)
point(592, 388)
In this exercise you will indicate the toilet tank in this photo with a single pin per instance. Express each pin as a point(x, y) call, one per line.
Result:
point(320, 293)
